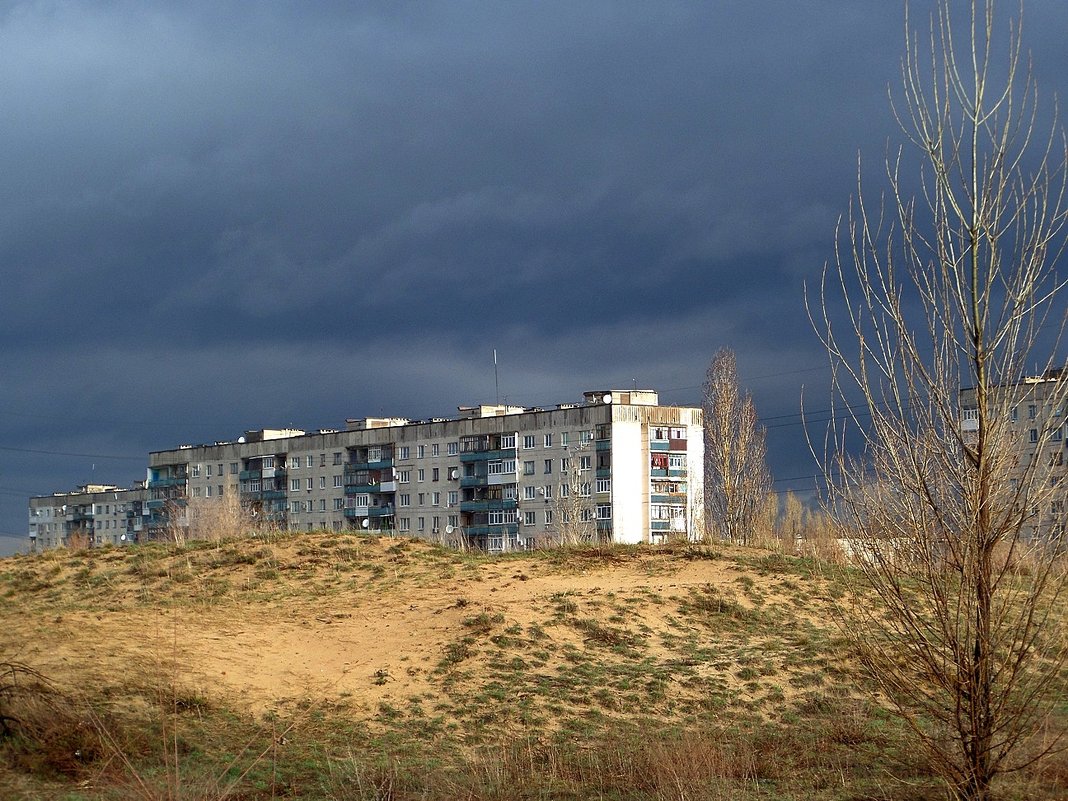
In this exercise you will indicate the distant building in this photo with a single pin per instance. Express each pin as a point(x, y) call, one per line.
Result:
point(1033, 409)
point(491, 477)
point(93, 514)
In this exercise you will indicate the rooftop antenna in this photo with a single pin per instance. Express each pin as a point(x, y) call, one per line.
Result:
point(496, 381)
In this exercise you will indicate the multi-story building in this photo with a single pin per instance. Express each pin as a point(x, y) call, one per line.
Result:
point(494, 477)
point(93, 514)
point(1030, 415)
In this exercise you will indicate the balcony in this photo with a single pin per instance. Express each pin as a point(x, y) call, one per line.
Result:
point(504, 529)
point(245, 475)
point(604, 445)
point(489, 505)
point(487, 456)
point(364, 489)
point(380, 511)
point(273, 495)
point(381, 464)
point(159, 483)
point(474, 481)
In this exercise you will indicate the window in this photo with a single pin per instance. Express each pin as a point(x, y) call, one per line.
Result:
point(196, 492)
point(420, 451)
point(604, 511)
point(454, 448)
point(529, 518)
point(509, 492)
point(604, 485)
point(322, 482)
point(548, 517)
point(422, 523)
point(584, 463)
point(435, 499)
point(311, 483)
point(584, 490)
point(1034, 435)
point(454, 520)
point(454, 497)
point(338, 482)
point(528, 468)
point(294, 463)
point(233, 468)
point(405, 499)
point(337, 457)
point(507, 441)
point(218, 490)
point(404, 476)
point(435, 450)
point(322, 504)
point(548, 466)
point(436, 522)
point(499, 517)
point(565, 464)
point(322, 463)
point(548, 440)
point(208, 474)
point(195, 471)
point(1056, 459)
point(422, 498)
point(501, 466)
point(530, 493)
point(310, 461)
point(294, 485)
point(676, 461)
point(1031, 409)
point(585, 436)
point(565, 490)
point(435, 474)
point(528, 441)
point(339, 503)
point(404, 523)
point(254, 485)
point(421, 474)
point(208, 491)
point(362, 500)
point(565, 438)
point(547, 491)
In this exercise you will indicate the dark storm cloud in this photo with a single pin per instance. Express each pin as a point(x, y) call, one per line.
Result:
point(220, 215)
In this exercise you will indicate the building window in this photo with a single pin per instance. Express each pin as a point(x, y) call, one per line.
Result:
point(565, 464)
point(196, 492)
point(454, 520)
point(209, 473)
point(529, 518)
point(405, 499)
point(404, 523)
point(337, 457)
point(311, 484)
point(422, 498)
point(548, 440)
point(548, 517)
point(322, 482)
point(294, 485)
point(405, 452)
point(584, 463)
point(565, 490)
point(338, 482)
point(454, 448)
point(404, 476)
point(530, 492)
point(528, 468)
point(1031, 410)
point(233, 468)
point(548, 466)
point(547, 491)
point(584, 490)
point(507, 441)
point(604, 485)
point(294, 463)
point(421, 474)
point(421, 523)
point(454, 497)
point(604, 511)
point(207, 493)
point(195, 471)
point(1056, 435)
point(435, 450)
point(322, 504)
point(339, 503)
point(565, 438)
point(528, 441)
point(435, 474)
point(420, 452)
point(435, 499)
point(1033, 434)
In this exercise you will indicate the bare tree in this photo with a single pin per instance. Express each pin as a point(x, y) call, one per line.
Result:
point(954, 292)
point(736, 472)
point(572, 508)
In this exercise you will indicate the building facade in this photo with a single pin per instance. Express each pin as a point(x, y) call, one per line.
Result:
point(1030, 415)
point(93, 514)
point(617, 467)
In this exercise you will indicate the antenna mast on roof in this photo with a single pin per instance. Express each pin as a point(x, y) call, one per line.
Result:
point(496, 381)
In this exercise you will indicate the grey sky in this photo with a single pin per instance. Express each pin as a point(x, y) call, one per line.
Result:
point(220, 216)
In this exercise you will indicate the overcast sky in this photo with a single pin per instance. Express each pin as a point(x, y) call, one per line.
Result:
point(219, 216)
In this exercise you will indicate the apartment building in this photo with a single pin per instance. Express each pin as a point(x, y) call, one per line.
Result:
point(1031, 413)
point(494, 477)
point(93, 514)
